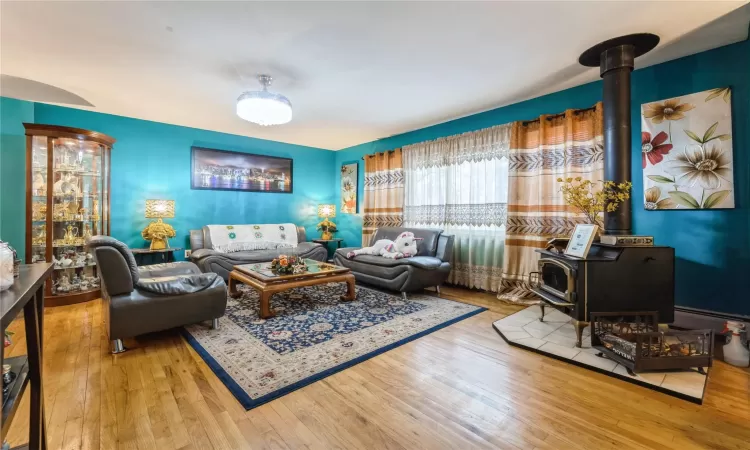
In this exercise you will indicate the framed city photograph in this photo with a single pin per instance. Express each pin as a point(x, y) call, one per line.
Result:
point(236, 171)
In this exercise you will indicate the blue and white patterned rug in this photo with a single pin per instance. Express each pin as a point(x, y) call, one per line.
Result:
point(313, 335)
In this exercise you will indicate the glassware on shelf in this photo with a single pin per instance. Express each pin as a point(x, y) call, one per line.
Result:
point(68, 198)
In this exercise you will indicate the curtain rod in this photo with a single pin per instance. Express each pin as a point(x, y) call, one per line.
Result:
point(554, 116)
point(525, 122)
point(371, 155)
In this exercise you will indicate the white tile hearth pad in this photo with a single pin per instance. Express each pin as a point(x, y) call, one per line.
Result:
point(556, 336)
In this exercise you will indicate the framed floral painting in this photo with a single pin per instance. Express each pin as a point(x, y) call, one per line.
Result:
point(686, 145)
point(349, 186)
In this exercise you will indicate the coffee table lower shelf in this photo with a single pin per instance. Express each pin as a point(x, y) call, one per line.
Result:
point(267, 289)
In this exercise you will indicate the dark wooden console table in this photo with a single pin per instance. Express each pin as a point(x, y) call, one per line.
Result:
point(27, 293)
point(165, 255)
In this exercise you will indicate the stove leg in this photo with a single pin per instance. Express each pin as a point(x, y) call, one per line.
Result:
point(541, 306)
point(579, 326)
point(117, 346)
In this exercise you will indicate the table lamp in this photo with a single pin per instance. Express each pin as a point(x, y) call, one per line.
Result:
point(157, 231)
point(326, 226)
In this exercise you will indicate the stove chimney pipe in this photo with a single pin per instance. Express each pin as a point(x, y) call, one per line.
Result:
point(615, 59)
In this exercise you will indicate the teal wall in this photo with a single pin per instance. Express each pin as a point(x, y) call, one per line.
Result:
point(13, 113)
point(152, 160)
point(712, 247)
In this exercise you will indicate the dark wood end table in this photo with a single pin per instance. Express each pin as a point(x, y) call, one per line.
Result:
point(164, 255)
point(325, 242)
point(260, 277)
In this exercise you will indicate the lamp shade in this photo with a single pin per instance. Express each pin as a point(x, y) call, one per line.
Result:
point(159, 209)
point(326, 210)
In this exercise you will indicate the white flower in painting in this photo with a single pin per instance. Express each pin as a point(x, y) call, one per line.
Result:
point(652, 202)
point(701, 166)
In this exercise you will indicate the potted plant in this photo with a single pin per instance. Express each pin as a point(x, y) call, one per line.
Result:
point(591, 200)
point(327, 228)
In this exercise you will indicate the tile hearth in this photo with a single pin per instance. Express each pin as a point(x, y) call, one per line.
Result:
point(556, 337)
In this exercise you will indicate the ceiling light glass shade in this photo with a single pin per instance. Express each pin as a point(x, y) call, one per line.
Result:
point(263, 107)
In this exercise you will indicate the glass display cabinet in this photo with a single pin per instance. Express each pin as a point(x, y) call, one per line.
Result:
point(67, 201)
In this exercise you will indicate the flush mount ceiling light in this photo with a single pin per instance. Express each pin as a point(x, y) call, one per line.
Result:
point(263, 107)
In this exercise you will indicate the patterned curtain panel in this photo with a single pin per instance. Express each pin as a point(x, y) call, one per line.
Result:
point(460, 184)
point(384, 193)
point(561, 146)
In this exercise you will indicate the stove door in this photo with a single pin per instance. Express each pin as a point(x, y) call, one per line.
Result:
point(558, 278)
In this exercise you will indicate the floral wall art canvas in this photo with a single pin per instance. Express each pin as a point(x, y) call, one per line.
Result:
point(349, 178)
point(687, 152)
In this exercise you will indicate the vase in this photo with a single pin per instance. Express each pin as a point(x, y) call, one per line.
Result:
point(158, 244)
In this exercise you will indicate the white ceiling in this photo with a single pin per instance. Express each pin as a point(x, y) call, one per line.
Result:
point(355, 72)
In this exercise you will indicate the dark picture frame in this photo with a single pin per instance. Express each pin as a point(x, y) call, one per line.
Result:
point(225, 170)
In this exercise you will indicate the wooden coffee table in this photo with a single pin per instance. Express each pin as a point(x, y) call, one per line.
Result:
point(260, 277)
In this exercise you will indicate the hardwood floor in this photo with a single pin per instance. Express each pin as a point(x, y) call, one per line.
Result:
point(461, 387)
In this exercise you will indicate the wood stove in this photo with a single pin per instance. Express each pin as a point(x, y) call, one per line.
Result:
point(611, 277)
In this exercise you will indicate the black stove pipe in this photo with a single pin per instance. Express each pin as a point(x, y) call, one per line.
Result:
point(615, 59)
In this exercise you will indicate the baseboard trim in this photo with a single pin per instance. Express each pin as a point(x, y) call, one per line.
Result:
point(694, 318)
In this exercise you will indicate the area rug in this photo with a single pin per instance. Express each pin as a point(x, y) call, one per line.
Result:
point(556, 338)
point(312, 336)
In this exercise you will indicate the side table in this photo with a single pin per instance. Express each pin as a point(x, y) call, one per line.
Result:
point(325, 242)
point(164, 255)
point(27, 295)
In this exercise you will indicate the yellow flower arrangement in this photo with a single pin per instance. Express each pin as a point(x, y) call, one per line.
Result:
point(584, 196)
point(158, 232)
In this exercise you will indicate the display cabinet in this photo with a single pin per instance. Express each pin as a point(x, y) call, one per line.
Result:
point(67, 201)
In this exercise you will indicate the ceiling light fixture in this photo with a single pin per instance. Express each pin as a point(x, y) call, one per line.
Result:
point(263, 107)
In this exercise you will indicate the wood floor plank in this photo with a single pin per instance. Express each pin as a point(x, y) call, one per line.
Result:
point(460, 387)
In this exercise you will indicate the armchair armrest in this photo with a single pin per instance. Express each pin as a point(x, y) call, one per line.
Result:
point(202, 253)
point(180, 284)
point(196, 239)
point(445, 247)
point(168, 269)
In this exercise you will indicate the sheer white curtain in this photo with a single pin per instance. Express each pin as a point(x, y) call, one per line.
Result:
point(460, 184)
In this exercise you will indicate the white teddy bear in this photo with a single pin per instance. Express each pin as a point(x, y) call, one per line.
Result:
point(404, 246)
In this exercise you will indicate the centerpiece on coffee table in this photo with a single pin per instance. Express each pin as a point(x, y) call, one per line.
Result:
point(288, 265)
point(284, 273)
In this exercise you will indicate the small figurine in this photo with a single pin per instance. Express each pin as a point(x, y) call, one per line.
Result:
point(39, 185)
point(65, 262)
point(89, 259)
point(63, 284)
point(71, 235)
point(86, 231)
point(38, 211)
point(80, 259)
point(66, 185)
point(95, 210)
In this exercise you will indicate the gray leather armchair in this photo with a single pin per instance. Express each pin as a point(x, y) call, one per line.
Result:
point(209, 260)
point(151, 298)
point(429, 268)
